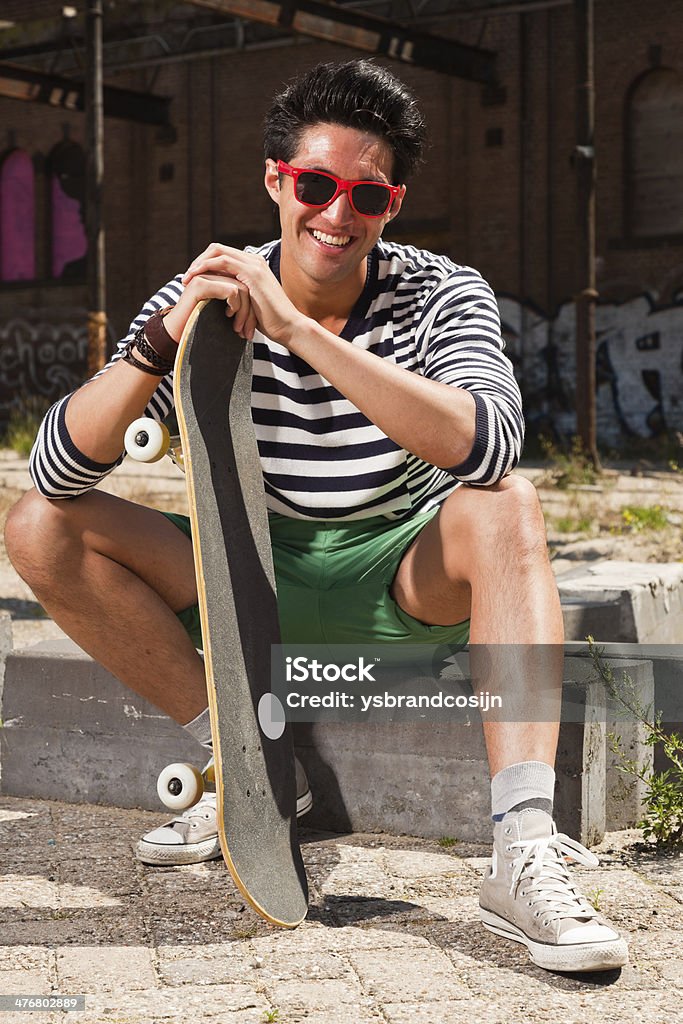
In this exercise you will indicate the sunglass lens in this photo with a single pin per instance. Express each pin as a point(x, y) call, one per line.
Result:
point(372, 200)
point(314, 189)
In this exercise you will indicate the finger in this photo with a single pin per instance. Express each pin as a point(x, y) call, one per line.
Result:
point(197, 261)
point(243, 315)
point(233, 302)
point(211, 251)
point(251, 325)
point(217, 287)
point(214, 262)
point(247, 313)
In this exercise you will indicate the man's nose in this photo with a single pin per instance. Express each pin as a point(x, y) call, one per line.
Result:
point(340, 212)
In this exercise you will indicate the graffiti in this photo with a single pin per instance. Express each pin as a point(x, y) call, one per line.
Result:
point(40, 359)
point(639, 367)
point(639, 364)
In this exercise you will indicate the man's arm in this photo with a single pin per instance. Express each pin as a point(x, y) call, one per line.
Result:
point(430, 419)
point(81, 438)
point(464, 413)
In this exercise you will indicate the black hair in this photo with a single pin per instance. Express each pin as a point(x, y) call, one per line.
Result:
point(356, 94)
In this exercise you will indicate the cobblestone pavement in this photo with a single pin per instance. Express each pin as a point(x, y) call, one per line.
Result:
point(392, 936)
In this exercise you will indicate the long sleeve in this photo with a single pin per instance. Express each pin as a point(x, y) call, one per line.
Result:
point(463, 347)
point(58, 469)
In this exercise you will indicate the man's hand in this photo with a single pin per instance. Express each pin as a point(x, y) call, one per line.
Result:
point(253, 296)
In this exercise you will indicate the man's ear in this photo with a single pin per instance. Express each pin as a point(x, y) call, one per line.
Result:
point(397, 204)
point(271, 180)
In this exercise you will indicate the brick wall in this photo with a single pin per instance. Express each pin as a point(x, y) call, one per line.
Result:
point(497, 190)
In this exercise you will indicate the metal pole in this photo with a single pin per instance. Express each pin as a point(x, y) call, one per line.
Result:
point(584, 162)
point(97, 317)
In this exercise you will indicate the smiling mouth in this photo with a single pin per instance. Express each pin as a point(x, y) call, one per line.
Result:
point(331, 241)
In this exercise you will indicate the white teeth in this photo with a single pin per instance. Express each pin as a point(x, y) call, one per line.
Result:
point(339, 240)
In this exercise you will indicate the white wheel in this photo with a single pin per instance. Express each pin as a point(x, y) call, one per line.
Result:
point(146, 440)
point(180, 786)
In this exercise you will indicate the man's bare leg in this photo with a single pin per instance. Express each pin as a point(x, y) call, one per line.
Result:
point(112, 575)
point(484, 557)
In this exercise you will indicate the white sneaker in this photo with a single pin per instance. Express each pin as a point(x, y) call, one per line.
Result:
point(192, 837)
point(528, 896)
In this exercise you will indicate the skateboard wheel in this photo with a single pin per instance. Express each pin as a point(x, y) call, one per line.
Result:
point(180, 786)
point(146, 440)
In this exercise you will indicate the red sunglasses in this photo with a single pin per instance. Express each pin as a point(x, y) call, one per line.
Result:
point(318, 189)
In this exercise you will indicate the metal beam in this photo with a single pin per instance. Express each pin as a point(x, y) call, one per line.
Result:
point(365, 32)
point(433, 11)
point(20, 83)
point(94, 220)
point(586, 299)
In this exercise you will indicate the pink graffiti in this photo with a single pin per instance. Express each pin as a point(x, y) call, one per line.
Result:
point(17, 218)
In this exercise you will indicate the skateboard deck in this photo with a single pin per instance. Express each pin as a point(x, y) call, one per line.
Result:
point(255, 778)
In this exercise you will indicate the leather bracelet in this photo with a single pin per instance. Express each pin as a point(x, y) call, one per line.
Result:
point(129, 358)
point(147, 352)
point(158, 337)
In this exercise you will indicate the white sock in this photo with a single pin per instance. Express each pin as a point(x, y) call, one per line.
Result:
point(527, 784)
point(200, 728)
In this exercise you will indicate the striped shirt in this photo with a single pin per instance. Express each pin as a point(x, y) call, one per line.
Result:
point(321, 457)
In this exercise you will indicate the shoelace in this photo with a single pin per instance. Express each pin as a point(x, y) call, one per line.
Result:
point(197, 810)
point(542, 861)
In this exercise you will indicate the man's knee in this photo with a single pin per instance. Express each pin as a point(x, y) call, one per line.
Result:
point(30, 531)
point(521, 499)
point(508, 513)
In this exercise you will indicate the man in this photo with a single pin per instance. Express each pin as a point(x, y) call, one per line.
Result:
point(379, 388)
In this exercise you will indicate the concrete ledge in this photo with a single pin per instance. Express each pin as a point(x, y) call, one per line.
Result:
point(5, 645)
point(72, 732)
point(623, 602)
point(624, 794)
point(433, 780)
point(667, 668)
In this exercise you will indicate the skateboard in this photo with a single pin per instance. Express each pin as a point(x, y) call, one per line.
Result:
point(254, 758)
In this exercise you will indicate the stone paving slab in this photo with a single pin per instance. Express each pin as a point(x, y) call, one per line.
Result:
point(392, 936)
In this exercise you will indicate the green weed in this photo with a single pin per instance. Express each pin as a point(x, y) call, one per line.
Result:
point(22, 426)
point(663, 819)
point(594, 898)
point(644, 453)
point(573, 524)
point(271, 1015)
point(447, 841)
point(640, 517)
point(569, 468)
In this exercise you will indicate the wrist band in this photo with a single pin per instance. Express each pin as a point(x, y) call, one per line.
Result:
point(156, 334)
point(129, 358)
point(147, 352)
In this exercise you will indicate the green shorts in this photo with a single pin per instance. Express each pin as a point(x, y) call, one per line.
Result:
point(333, 581)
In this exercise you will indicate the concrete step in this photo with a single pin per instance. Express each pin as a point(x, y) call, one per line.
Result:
point(72, 732)
point(623, 602)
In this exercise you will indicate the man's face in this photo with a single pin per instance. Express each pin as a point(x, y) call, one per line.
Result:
point(330, 244)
